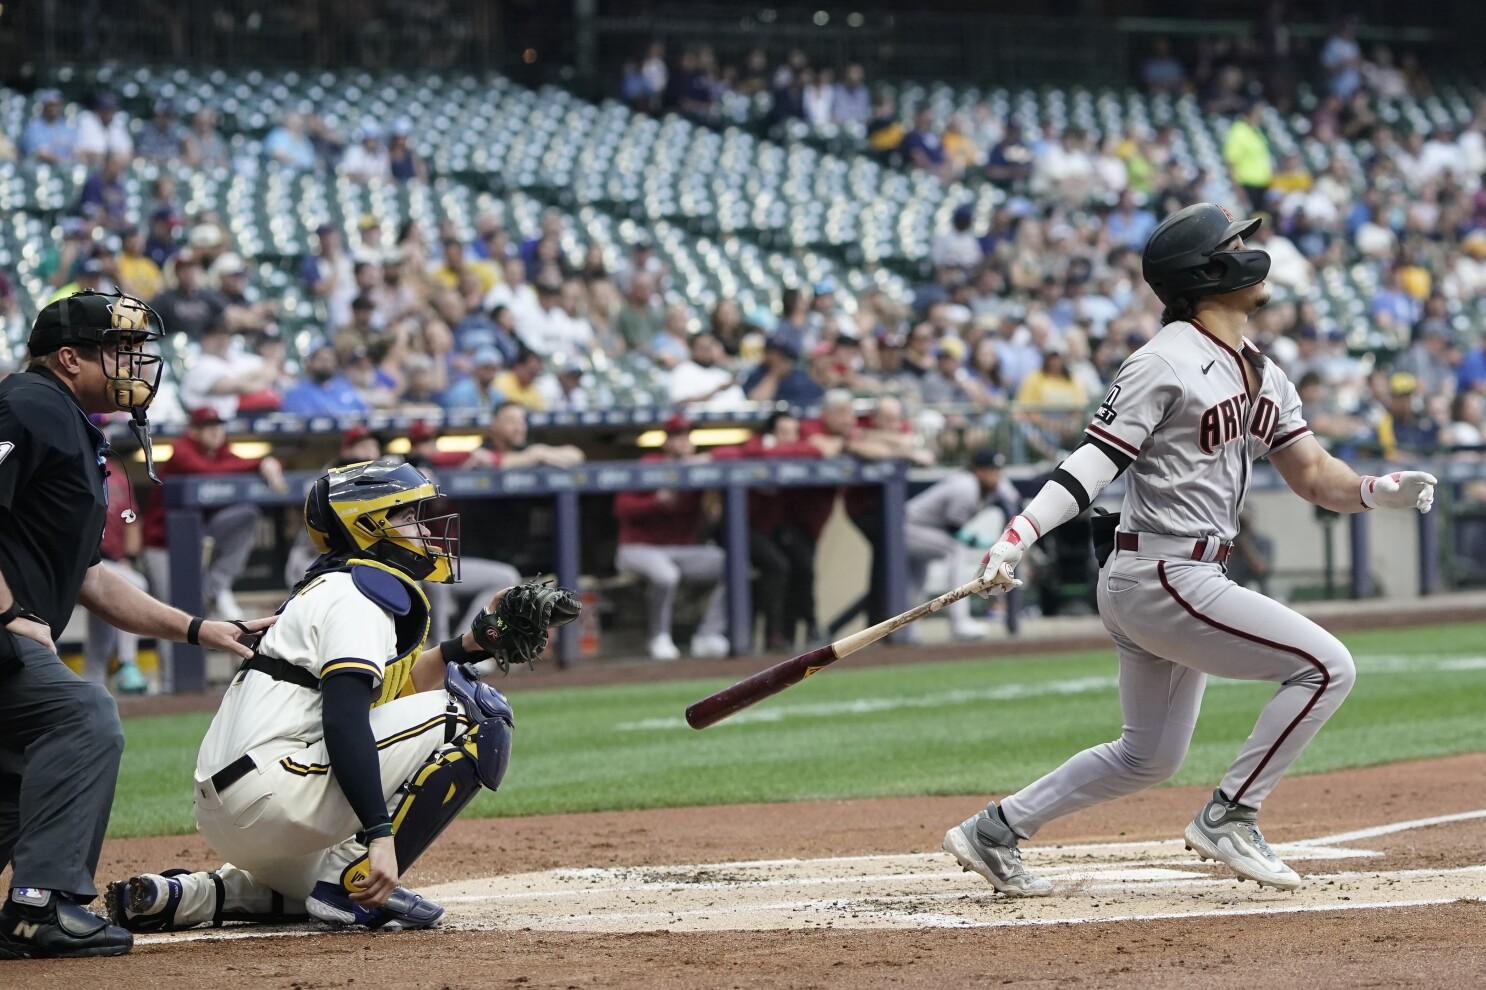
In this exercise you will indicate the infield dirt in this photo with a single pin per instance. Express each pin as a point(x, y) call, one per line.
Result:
point(1343, 945)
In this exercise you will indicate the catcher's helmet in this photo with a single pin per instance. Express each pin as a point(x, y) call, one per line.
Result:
point(1183, 258)
point(346, 512)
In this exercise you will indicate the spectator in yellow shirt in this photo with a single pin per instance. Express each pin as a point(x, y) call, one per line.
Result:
point(1246, 150)
point(959, 149)
point(518, 382)
point(455, 265)
point(1053, 398)
point(1293, 176)
point(138, 274)
point(1052, 386)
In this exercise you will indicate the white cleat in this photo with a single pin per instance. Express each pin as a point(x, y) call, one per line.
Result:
point(985, 845)
point(710, 646)
point(1229, 834)
point(662, 647)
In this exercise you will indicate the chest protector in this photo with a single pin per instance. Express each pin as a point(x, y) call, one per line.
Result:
point(396, 594)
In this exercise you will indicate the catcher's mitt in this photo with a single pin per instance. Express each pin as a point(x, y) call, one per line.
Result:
point(516, 632)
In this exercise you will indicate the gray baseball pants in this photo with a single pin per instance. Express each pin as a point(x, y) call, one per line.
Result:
point(1174, 622)
point(104, 639)
point(665, 568)
point(478, 577)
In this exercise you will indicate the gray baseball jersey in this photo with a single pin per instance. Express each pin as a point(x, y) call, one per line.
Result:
point(1181, 408)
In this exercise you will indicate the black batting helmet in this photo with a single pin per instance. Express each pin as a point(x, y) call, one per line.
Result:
point(1183, 260)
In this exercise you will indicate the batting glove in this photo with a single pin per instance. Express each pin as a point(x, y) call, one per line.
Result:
point(996, 567)
point(1400, 490)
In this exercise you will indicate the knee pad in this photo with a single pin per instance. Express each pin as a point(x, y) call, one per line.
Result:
point(434, 796)
point(489, 739)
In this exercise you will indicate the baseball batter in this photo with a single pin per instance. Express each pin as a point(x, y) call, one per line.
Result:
point(342, 748)
point(1184, 418)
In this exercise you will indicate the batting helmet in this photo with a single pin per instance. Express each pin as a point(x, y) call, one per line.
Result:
point(346, 512)
point(1183, 258)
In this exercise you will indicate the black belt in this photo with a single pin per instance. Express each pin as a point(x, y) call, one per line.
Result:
point(281, 670)
point(233, 772)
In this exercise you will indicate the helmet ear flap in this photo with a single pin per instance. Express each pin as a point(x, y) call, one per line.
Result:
point(319, 520)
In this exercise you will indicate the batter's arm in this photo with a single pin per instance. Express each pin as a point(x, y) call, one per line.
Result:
point(1319, 478)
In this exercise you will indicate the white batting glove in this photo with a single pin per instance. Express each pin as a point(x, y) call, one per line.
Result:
point(1399, 490)
point(996, 567)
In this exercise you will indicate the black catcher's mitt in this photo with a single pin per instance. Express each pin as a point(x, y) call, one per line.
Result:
point(516, 632)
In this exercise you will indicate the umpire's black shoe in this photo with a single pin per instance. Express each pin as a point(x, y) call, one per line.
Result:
point(57, 929)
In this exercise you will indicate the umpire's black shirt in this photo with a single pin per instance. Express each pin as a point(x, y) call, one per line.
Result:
point(52, 495)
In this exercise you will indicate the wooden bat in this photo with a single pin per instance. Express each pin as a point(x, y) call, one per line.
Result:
point(766, 683)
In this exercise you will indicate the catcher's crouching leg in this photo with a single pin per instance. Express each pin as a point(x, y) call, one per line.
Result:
point(177, 900)
point(440, 789)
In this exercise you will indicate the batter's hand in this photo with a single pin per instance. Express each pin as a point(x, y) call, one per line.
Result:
point(1400, 490)
point(225, 636)
point(381, 878)
point(37, 632)
point(996, 567)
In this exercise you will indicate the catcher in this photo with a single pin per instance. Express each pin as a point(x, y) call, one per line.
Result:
point(342, 749)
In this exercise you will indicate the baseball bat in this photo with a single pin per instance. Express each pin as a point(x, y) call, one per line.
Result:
point(767, 683)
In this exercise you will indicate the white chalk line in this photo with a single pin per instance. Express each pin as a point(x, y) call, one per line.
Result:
point(1021, 691)
point(1378, 830)
point(954, 921)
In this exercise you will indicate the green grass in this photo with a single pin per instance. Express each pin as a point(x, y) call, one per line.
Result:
point(932, 728)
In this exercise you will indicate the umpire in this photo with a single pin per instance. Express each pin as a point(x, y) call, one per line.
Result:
point(60, 736)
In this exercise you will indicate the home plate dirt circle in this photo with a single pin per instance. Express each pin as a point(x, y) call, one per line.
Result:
point(1106, 882)
point(1094, 883)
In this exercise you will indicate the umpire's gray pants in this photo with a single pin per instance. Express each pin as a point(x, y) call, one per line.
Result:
point(664, 568)
point(479, 578)
point(60, 744)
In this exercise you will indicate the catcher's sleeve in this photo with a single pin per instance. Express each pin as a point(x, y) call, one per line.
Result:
point(345, 700)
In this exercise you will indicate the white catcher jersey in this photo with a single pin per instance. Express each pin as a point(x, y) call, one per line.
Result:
point(1180, 408)
point(330, 625)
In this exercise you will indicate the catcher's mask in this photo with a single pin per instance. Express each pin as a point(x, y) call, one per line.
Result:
point(347, 510)
point(116, 323)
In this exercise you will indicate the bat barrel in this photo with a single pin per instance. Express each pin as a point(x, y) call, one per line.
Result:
point(716, 707)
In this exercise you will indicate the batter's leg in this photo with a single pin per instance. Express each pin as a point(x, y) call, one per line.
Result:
point(1160, 701)
point(1211, 624)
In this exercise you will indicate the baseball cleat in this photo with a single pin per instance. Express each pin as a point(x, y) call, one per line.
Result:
point(1229, 833)
point(129, 679)
point(146, 903)
point(404, 910)
point(984, 844)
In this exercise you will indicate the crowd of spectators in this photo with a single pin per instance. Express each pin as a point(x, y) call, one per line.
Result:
point(1026, 312)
